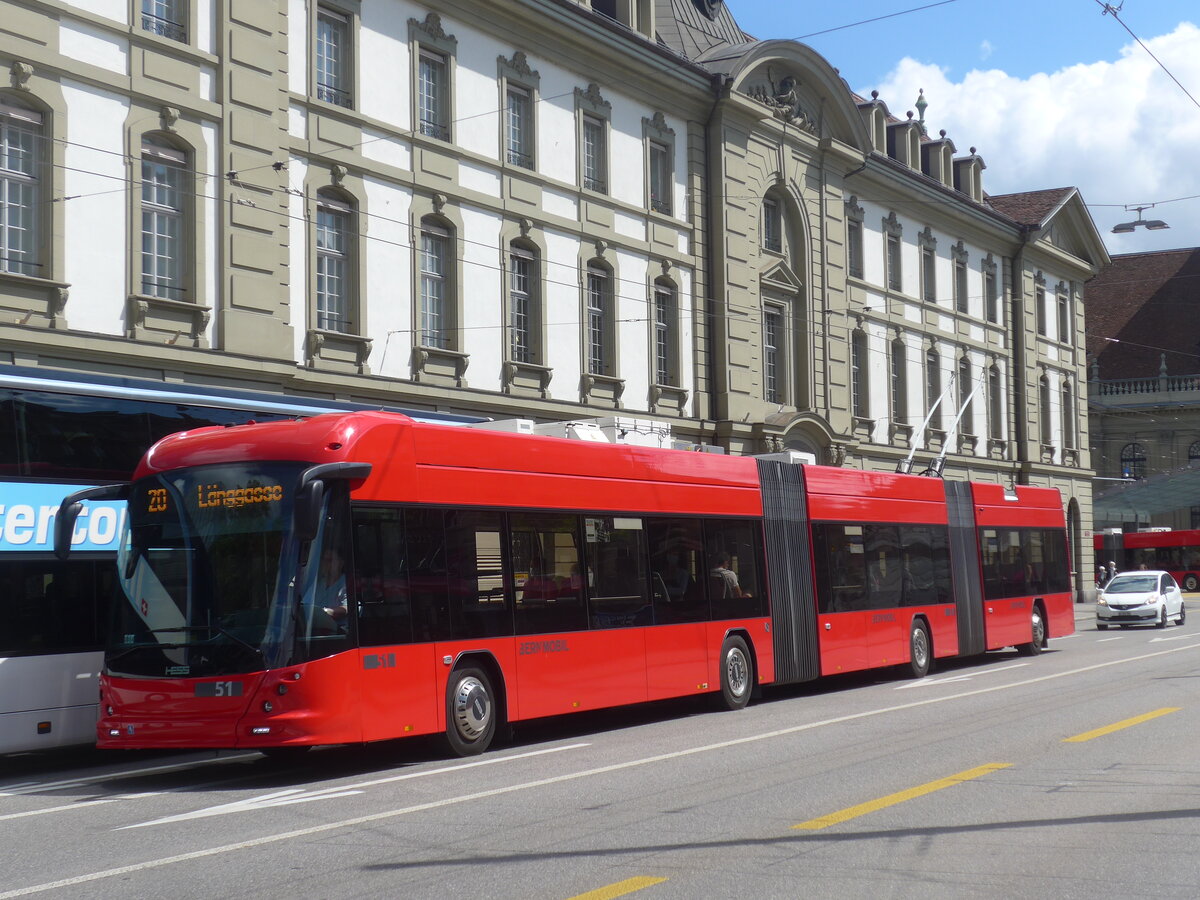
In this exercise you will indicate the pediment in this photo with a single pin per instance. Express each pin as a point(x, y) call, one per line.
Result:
point(781, 277)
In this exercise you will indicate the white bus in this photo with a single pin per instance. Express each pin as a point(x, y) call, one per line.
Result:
point(60, 432)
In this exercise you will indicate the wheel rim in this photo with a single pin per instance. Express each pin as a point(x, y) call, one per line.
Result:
point(472, 708)
point(920, 647)
point(1039, 629)
point(737, 672)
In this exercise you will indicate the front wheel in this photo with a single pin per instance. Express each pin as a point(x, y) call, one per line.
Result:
point(736, 673)
point(1038, 633)
point(1162, 618)
point(920, 650)
point(1182, 613)
point(470, 711)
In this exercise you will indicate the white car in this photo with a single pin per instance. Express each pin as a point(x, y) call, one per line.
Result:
point(1140, 598)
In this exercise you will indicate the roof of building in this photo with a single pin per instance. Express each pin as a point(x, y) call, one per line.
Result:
point(1142, 306)
point(693, 27)
point(1030, 207)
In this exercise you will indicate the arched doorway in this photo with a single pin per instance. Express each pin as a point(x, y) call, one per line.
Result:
point(1075, 544)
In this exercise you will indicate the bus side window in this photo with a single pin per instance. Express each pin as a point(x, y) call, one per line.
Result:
point(547, 579)
point(734, 567)
point(381, 575)
point(616, 559)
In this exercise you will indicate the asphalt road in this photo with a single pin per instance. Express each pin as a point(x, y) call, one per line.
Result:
point(1071, 774)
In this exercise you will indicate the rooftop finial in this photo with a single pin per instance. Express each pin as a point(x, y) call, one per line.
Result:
point(921, 105)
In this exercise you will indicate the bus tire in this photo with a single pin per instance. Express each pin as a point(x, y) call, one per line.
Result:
point(1190, 583)
point(1037, 626)
point(470, 711)
point(737, 673)
point(920, 650)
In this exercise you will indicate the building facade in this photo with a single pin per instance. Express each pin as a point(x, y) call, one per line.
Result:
point(551, 209)
point(1144, 390)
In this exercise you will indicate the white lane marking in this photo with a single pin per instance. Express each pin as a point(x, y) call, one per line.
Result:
point(558, 779)
point(29, 787)
point(1066, 637)
point(1178, 637)
point(54, 809)
point(950, 679)
point(297, 795)
point(1106, 640)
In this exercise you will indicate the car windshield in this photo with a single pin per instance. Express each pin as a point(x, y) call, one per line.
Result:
point(205, 566)
point(1132, 584)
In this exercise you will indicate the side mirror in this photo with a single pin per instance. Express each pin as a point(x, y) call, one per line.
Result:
point(307, 512)
point(72, 505)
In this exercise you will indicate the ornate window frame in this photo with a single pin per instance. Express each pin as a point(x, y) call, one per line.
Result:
point(350, 13)
point(345, 350)
point(962, 293)
point(854, 238)
point(183, 319)
point(591, 109)
point(993, 309)
point(40, 299)
point(528, 377)
point(893, 253)
point(516, 75)
point(600, 388)
point(927, 245)
point(427, 36)
point(656, 133)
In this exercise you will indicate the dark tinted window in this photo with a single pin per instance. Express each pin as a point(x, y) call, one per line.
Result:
point(48, 606)
point(50, 435)
point(877, 566)
point(616, 572)
point(381, 576)
point(677, 573)
point(736, 587)
point(1022, 561)
point(548, 576)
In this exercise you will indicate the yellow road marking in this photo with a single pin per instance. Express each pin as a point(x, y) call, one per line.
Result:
point(620, 889)
point(1117, 726)
point(892, 799)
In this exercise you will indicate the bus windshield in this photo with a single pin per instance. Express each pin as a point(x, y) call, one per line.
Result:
point(208, 566)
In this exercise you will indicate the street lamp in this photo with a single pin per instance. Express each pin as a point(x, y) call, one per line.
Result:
point(1150, 224)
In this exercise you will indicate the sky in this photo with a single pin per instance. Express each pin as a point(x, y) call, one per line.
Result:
point(1050, 92)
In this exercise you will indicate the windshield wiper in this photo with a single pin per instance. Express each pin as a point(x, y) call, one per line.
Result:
point(218, 629)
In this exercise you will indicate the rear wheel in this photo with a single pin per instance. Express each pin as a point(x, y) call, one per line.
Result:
point(470, 711)
point(737, 673)
point(1191, 583)
point(920, 650)
point(1038, 629)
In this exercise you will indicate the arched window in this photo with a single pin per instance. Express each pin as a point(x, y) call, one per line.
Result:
point(335, 268)
point(995, 404)
point(1047, 422)
point(437, 284)
point(933, 386)
point(166, 218)
point(1133, 461)
point(666, 333)
point(858, 374)
point(524, 306)
point(1068, 415)
point(600, 327)
point(22, 149)
point(965, 386)
point(899, 364)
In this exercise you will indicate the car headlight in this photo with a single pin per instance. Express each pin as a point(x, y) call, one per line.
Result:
point(1100, 601)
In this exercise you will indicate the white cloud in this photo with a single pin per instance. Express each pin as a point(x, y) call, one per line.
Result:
point(985, 50)
point(1122, 132)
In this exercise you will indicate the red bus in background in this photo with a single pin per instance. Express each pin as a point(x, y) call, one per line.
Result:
point(1177, 552)
point(360, 577)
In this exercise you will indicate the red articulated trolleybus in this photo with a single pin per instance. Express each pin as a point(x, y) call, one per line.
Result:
point(1177, 552)
point(358, 577)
